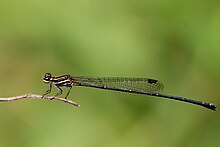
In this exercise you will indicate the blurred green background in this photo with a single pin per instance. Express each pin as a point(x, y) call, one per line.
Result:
point(177, 42)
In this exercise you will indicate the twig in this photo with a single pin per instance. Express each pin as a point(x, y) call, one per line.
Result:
point(27, 96)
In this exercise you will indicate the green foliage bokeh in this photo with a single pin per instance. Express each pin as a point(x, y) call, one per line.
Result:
point(177, 42)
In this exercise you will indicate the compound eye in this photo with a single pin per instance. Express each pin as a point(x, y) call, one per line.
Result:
point(47, 77)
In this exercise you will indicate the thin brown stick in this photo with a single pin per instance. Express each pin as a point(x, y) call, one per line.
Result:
point(27, 96)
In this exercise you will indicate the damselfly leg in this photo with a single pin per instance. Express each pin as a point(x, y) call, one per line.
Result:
point(61, 81)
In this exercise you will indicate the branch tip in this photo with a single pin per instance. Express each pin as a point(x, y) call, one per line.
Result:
point(29, 95)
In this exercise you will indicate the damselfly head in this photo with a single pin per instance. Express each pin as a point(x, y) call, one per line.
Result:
point(47, 77)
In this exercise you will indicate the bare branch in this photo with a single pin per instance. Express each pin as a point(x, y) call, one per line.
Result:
point(27, 96)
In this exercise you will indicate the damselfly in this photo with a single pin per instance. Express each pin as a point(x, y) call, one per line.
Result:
point(145, 86)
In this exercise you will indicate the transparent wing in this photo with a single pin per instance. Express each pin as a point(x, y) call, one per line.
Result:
point(120, 83)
